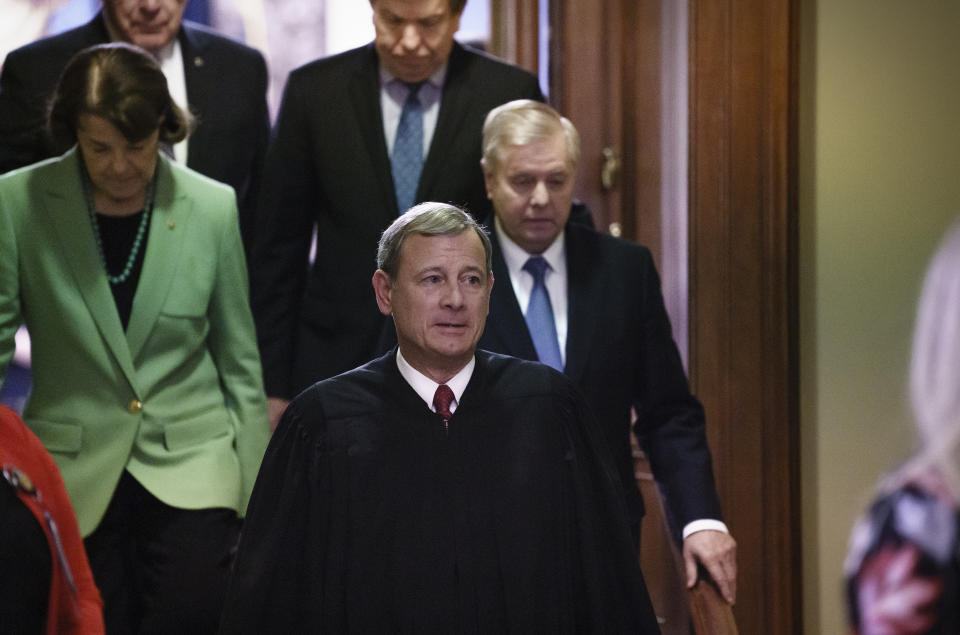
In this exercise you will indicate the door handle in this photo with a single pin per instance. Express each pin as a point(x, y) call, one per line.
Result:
point(610, 169)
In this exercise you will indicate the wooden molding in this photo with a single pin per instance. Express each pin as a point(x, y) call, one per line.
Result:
point(514, 32)
point(743, 288)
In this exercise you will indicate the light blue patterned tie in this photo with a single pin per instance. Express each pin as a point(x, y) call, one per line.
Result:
point(539, 317)
point(406, 163)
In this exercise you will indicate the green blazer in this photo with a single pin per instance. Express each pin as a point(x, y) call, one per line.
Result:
point(177, 399)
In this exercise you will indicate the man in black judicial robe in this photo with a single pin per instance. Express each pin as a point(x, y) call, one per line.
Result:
point(380, 509)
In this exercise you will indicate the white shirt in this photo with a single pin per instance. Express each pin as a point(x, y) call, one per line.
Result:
point(427, 388)
point(555, 279)
point(393, 93)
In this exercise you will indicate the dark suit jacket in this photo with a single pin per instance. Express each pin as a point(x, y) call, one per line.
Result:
point(328, 169)
point(621, 353)
point(226, 88)
point(368, 518)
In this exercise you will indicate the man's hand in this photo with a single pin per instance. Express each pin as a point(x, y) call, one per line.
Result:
point(275, 408)
point(717, 551)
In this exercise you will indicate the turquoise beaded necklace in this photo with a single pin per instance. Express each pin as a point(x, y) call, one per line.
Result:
point(141, 230)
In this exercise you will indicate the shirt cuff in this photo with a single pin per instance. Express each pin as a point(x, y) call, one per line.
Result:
point(706, 523)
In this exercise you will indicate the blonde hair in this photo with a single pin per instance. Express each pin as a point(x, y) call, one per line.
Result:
point(524, 121)
point(935, 365)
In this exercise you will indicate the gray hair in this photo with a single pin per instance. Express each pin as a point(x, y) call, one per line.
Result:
point(427, 219)
point(935, 366)
point(524, 121)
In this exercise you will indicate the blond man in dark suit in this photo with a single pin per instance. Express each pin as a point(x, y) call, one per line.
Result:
point(602, 323)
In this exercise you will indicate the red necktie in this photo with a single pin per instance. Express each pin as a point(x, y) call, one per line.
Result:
point(441, 401)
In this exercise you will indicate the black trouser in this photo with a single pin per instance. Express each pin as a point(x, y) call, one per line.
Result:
point(25, 565)
point(161, 569)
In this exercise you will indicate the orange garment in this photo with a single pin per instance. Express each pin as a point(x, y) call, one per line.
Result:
point(75, 606)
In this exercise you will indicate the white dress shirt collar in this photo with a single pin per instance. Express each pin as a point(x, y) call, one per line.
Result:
point(426, 387)
point(555, 279)
point(515, 256)
point(435, 81)
point(393, 93)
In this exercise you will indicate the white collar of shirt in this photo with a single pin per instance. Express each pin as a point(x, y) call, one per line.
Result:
point(170, 59)
point(393, 93)
point(555, 278)
point(427, 388)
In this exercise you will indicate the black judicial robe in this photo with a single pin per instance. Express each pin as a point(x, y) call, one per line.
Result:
point(368, 518)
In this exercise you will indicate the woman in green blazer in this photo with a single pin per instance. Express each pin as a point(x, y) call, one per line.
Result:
point(129, 273)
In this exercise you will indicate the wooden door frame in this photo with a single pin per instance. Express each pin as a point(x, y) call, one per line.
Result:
point(743, 287)
point(515, 32)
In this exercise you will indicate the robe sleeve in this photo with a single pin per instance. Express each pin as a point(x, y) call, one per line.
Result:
point(606, 572)
point(288, 576)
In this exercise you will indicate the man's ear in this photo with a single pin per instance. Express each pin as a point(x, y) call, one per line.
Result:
point(489, 289)
point(382, 289)
point(487, 176)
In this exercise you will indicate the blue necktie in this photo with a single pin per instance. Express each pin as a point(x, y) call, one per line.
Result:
point(406, 163)
point(539, 317)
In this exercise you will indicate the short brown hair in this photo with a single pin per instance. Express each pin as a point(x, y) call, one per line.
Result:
point(121, 83)
point(456, 6)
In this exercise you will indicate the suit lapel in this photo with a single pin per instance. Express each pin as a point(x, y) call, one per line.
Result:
point(505, 324)
point(584, 293)
point(453, 109)
point(64, 204)
point(364, 102)
point(95, 31)
point(196, 72)
point(165, 240)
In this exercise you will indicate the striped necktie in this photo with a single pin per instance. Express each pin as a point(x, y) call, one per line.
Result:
point(406, 162)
